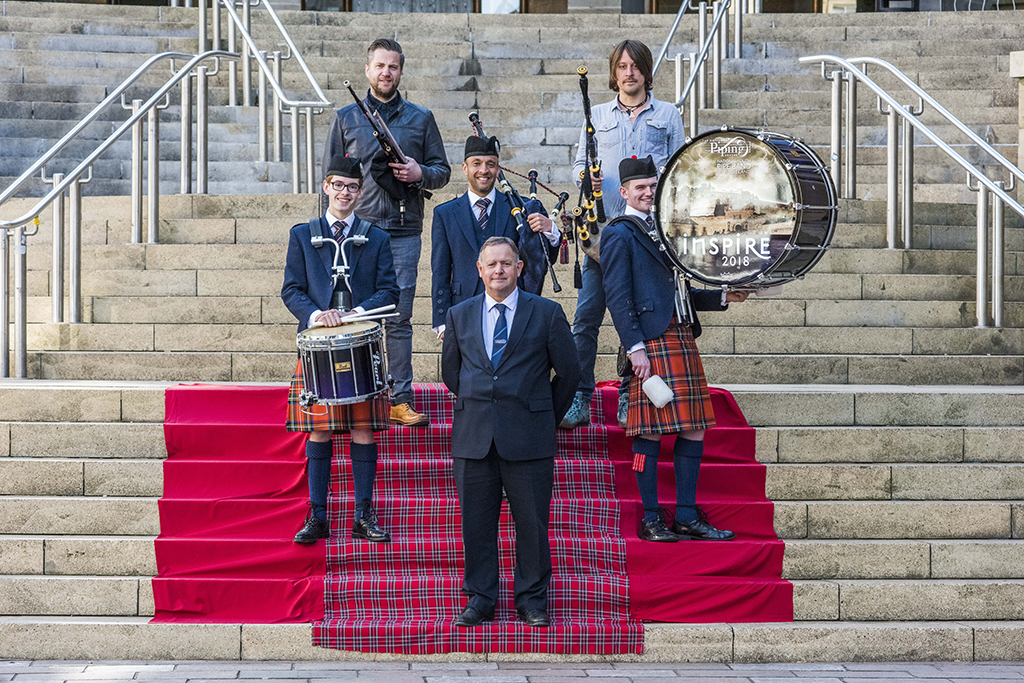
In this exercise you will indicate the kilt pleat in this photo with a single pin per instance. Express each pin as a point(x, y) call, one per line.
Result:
point(374, 413)
point(675, 358)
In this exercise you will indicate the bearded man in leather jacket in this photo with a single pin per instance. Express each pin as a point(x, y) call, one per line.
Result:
point(393, 195)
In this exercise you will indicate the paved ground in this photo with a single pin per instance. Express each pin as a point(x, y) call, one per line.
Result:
point(404, 672)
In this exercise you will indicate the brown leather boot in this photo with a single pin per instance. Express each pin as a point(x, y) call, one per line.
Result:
point(403, 414)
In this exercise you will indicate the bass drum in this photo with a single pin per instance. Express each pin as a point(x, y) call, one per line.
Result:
point(745, 209)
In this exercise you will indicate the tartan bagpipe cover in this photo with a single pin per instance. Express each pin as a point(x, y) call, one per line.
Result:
point(403, 597)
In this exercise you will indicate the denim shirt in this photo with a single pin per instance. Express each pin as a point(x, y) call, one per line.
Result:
point(657, 130)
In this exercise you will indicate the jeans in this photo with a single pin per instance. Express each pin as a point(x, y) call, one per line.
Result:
point(586, 325)
point(406, 253)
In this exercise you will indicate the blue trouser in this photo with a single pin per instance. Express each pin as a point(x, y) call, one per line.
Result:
point(406, 253)
point(586, 325)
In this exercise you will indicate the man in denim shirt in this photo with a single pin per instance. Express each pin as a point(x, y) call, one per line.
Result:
point(634, 124)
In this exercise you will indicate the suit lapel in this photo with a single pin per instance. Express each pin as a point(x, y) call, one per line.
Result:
point(501, 214)
point(522, 318)
point(467, 221)
point(354, 251)
point(326, 252)
point(649, 244)
point(477, 326)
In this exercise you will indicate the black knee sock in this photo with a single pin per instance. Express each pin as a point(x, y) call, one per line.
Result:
point(686, 462)
point(364, 471)
point(647, 478)
point(318, 471)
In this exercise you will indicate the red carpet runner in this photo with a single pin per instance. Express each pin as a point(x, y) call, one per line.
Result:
point(235, 494)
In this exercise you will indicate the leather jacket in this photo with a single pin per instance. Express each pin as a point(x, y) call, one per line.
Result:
point(417, 134)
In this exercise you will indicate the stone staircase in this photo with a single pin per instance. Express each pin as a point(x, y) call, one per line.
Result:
point(890, 427)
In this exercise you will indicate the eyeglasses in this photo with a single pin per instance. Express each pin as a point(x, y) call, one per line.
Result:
point(339, 186)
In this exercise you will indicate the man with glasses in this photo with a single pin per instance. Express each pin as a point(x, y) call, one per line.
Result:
point(393, 195)
point(309, 292)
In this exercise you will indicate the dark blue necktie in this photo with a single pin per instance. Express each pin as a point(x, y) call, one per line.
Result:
point(500, 335)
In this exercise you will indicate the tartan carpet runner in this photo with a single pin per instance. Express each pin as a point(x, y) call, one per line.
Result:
point(403, 597)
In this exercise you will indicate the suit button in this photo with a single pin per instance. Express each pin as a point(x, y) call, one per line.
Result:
point(494, 400)
point(495, 377)
point(636, 327)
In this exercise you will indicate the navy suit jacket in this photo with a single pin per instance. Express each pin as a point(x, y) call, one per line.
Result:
point(455, 240)
point(519, 404)
point(639, 285)
point(307, 272)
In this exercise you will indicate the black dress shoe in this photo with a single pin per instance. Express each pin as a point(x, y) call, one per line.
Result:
point(701, 530)
point(366, 527)
point(471, 616)
point(657, 531)
point(313, 530)
point(534, 618)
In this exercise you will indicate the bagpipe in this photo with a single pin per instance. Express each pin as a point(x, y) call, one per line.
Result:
point(588, 214)
point(533, 276)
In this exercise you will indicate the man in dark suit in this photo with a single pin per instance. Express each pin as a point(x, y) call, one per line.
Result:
point(500, 348)
point(311, 295)
point(462, 224)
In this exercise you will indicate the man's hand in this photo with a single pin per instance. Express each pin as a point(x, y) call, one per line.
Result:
point(596, 180)
point(330, 318)
point(737, 296)
point(409, 172)
point(540, 223)
point(641, 364)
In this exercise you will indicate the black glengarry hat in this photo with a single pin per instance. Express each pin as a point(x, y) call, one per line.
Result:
point(633, 169)
point(482, 147)
point(346, 166)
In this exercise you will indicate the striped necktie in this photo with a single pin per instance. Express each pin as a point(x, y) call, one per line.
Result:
point(339, 229)
point(500, 335)
point(482, 205)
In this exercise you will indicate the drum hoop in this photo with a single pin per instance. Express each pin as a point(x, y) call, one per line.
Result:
point(751, 281)
point(340, 340)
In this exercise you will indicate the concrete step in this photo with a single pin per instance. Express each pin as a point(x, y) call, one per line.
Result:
point(62, 515)
point(903, 559)
point(78, 555)
point(906, 520)
point(92, 402)
point(78, 440)
point(127, 638)
point(106, 596)
point(80, 477)
point(884, 444)
point(945, 481)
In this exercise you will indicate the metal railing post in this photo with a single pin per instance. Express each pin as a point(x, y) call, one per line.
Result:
point(202, 132)
point(263, 144)
point(850, 172)
point(232, 66)
point(153, 173)
point(702, 35)
point(296, 150)
point(186, 134)
point(216, 25)
point(668, 41)
point(998, 211)
point(136, 174)
point(723, 30)
point(278, 112)
point(693, 98)
point(891, 178)
point(203, 28)
point(679, 78)
point(907, 179)
point(981, 289)
point(75, 251)
point(5, 310)
point(835, 151)
point(716, 56)
point(20, 303)
point(246, 56)
point(737, 34)
point(57, 273)
point(310, 182)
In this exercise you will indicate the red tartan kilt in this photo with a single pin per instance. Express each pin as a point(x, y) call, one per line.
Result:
point(675, 358)
point(374, 413)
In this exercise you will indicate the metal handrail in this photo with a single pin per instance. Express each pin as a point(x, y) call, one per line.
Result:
point(693, 7)
point(985, 186)
point(697, 69)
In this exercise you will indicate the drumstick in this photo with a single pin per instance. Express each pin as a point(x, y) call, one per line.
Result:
point(364, 318)
point(389, 307)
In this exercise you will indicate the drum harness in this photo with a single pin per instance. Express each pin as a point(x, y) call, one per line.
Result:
point(683, 304)
point(340, 300)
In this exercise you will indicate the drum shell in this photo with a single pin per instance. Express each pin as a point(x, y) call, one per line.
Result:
point(341, 367)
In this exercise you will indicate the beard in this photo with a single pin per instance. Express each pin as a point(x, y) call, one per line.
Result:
point(383, 95)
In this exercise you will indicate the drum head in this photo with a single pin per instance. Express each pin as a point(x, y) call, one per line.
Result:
point(346, 330)
point(726, 208)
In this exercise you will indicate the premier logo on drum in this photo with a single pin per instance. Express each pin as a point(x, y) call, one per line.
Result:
point(736, 147)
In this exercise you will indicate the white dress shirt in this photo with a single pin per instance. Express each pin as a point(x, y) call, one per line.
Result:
point(490, 317)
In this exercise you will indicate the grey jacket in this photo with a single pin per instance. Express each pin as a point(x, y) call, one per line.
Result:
point(417, 134)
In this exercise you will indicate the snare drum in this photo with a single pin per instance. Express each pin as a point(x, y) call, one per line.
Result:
point(344, 364)
point(743, 209)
